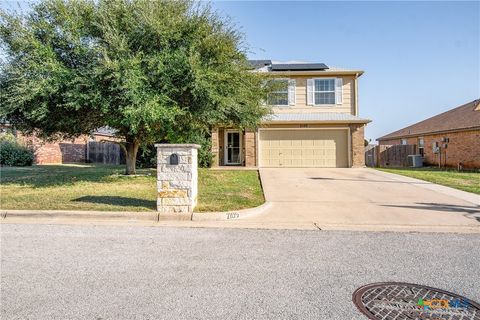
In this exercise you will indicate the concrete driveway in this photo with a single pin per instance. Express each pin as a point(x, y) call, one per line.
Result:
point(362, 196)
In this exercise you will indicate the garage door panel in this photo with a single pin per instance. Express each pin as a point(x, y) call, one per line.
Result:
point(296, 162)
point(297, 153)
point(307, 143)
point(304, 148)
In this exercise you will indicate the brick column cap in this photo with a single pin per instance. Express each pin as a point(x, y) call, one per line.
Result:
point(177, 145)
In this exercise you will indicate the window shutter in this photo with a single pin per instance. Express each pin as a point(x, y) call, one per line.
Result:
point(265, 99)
point(310, 89)
point(339, 90)
point(291, 92)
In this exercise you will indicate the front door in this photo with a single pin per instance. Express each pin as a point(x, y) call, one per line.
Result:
point(233, 147)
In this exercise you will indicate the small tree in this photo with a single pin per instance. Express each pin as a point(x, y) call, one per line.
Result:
point(144, 68)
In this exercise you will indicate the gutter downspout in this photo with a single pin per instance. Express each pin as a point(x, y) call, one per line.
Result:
point(356, 94)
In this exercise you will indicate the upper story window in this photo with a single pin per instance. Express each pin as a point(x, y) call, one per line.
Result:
point(279, 97)
point(324, 91)
point(283, 93)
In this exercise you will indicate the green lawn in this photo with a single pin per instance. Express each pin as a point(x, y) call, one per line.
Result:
point(466, 181)
point(90, 187)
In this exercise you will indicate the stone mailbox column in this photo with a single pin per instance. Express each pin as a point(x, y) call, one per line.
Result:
point(177, 179)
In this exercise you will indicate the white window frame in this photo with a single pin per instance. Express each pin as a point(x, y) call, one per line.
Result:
point(403, 142)
point(288, 94)
point(225, 152)
point(334, 92)
point(421, 146)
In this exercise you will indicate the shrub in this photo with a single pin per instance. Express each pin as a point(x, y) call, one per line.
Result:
point(13, 153)
point(147, 154)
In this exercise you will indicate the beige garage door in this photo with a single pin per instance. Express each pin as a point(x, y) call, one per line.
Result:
point(303, 148)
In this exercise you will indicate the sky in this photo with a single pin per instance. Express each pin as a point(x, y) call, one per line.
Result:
point(419, 58)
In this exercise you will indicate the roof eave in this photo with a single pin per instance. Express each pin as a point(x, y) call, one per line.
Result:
point(317, 72)
point(426, 133)
point(359, 121)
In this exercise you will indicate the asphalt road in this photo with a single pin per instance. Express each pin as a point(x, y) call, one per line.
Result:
point(125, 272)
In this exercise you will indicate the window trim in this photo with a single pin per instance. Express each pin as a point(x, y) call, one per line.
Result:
point(288, 94)
point(421, 146)
point(315, 104)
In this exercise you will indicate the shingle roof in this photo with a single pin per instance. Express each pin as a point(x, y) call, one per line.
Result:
point(315, 116)
point(464, 117)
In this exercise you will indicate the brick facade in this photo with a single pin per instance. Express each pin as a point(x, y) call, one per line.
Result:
point(250, 148)
point(357, 132)
point(65, 151)
point(463, 147)
point(215, 147)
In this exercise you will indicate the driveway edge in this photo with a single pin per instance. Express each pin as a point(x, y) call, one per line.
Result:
point(399, 228)
point(459, 194)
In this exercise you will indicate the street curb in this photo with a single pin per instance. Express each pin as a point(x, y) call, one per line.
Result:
point(133, 216)
point(85, 215)
point(400, 228)
point(230, 215)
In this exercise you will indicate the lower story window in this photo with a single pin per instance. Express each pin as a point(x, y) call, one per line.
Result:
point(421, 146)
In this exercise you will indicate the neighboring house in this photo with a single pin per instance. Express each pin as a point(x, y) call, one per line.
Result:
point(451, 138)
point(64, 151)
point(315, 121)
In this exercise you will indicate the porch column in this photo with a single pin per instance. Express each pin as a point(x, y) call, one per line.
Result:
point(215, 148)
point(250, 148)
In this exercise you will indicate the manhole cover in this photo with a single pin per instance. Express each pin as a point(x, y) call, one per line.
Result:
point(392, 300)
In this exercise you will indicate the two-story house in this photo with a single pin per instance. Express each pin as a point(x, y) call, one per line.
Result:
point(315, 121)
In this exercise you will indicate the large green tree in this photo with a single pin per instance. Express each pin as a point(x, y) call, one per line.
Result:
point(144, 68)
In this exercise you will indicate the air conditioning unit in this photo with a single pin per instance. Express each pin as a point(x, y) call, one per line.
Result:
point(415, 161)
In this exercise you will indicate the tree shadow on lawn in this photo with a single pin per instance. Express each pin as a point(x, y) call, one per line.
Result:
point(119, 201)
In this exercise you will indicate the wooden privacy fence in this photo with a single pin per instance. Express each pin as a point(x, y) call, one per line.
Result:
point(105, 152)
point(389, 155)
